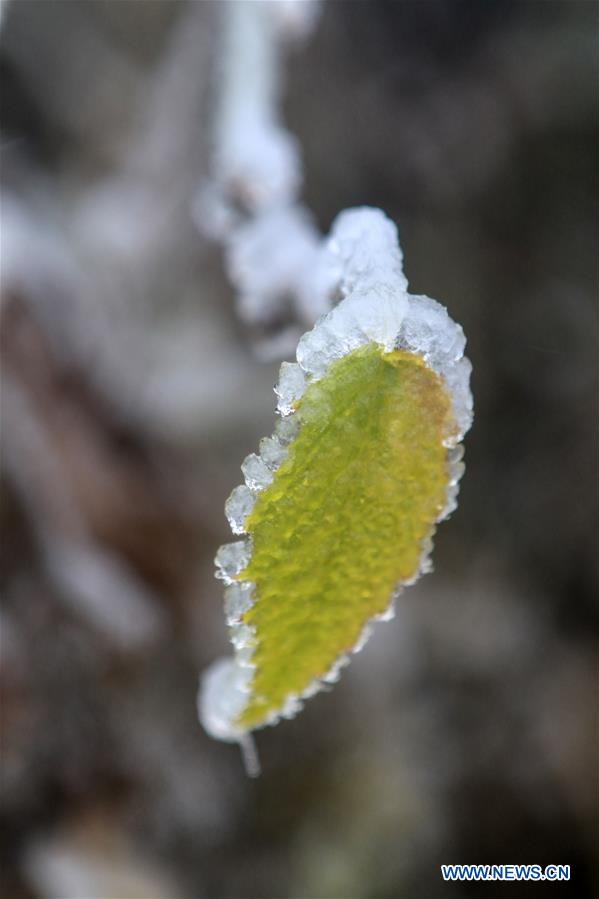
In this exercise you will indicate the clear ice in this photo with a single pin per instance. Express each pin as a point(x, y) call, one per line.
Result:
point(231, 559)
point(257, 474)
point(271, 452)
point(238, 507)
point(223, 694)
point(291, 385)
point(238, 599)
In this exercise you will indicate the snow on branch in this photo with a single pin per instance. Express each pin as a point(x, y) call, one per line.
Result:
point(274, 252)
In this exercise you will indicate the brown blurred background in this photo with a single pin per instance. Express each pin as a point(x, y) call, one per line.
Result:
point(466, 730)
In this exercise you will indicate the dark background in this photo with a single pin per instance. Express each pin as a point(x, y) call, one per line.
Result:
point(466, 730)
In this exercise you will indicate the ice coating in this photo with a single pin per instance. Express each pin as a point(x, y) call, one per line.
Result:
point(365, 246)
point(285, 430)
point(231, 559)
point(290, 387)
point(254, 155)
point(429, 331)
point(273, 249)
point(375, 309)
point(256, 472)
point(272, 452)
point(223, 693)
point(238, 507)
point(239, 597)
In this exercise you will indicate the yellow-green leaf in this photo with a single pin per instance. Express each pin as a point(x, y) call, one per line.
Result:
point(345, 517)
point(339, 505)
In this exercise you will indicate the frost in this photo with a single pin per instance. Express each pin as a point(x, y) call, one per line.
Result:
point(455, 455)
point(255, 159)
point(334, 672)
point(257, 475)
point(231, 559)
point(365, 241)
point(451, 501)
point(291, 707)
point(286, 430)
point(429, 331)
point(363, 638)
point(238, 507)
point(244, 656)
point(223, 694)
point(271, 452)
point(365, 246)
point(238, 599)
point(242, 636)
point(292, 383)
point(274, 252)
point(268, 256)
point(457, 379)
point(389, 613)
point(319, 347)
point(455, 468)
point(456, 472)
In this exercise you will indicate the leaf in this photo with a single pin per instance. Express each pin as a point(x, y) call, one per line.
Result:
point(344, 519)
point(340, 504)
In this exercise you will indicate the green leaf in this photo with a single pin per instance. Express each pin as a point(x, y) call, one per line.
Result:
point(345, 517)
point(340, 504)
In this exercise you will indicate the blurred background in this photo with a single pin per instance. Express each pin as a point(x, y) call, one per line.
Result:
point(466, 730)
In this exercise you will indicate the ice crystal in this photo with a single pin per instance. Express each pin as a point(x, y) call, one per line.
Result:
point(286, 430)
point(271, 452)
point(231, 559)
point(242, 636)
point(238, 507)
point(223, 695)
point(244, 656)
point(257, 474)
point(238, 599)
point(290, 387)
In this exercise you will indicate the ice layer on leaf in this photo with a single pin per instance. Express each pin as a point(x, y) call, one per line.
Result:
point(364, 463)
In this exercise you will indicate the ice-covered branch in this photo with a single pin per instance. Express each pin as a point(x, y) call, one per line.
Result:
point(256, 160)
point(273, 250)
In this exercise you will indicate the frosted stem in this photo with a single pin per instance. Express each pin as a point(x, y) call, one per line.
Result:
point(273, 251)
point(256, 159)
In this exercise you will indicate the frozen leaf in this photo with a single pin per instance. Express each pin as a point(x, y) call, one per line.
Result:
point(359, 472)
point(346, 517)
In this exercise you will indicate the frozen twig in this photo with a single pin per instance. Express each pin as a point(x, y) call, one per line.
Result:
point(273, 249)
